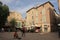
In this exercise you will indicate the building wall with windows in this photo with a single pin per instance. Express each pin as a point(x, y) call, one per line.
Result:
point(44, 13)
point(44, 17)
point(31, 17)
point(17, 16)
point(59, 5)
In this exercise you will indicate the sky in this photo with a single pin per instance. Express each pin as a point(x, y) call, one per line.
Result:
point(22, 6)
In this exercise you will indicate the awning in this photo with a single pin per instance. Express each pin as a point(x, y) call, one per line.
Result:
point(37, 26)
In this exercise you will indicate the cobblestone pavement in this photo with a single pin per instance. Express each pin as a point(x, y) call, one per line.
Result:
point(30, 36)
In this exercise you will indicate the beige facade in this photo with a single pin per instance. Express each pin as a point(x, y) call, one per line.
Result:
point(30, 16)
point(42, 16)
point(17, 16)
point(59, 4)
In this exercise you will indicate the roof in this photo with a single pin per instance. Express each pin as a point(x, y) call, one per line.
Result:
point(46, 3)
point(41, 5)
point(30, 9)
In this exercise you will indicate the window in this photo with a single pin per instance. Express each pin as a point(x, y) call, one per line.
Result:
point(45, 28)
point(40, 12)
point(41, 29)
point(36, 20)
point(32, 17)
point(40, 19)
point(43, 16)
point(33, 22)
point(36, 14)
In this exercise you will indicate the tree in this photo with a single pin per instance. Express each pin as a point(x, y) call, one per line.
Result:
point(4, 13)
point(13, 24)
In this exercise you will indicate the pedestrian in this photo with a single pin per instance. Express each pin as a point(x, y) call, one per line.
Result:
point(23, 31)
point(15, 34)
point(2, 29)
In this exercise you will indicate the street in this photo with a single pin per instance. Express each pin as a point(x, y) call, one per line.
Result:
point(29, 36)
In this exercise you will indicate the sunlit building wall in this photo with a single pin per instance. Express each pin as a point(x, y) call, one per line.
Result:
point(59, 5)
point(17, 16)
point(42, 16)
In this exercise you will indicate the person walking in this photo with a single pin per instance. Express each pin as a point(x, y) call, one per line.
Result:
point(15, 34)
point(2, 29)
point(23, 31)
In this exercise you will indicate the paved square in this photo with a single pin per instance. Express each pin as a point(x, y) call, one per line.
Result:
point(29, 36)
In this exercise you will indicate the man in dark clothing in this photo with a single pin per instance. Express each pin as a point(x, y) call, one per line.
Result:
point(23, 31)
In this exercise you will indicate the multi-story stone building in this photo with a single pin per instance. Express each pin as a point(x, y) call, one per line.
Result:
point(59, 5)
point(42, 17)
point(17, 16)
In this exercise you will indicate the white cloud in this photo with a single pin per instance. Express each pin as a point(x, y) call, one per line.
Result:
point(6, 1)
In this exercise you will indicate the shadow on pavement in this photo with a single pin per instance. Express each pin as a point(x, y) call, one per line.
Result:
point(18, 38)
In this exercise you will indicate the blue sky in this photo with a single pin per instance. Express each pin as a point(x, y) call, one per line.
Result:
point(23, 5)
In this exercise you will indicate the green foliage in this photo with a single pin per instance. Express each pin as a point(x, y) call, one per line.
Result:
point(4, 13)
point(13, 23)
point(0, 3)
